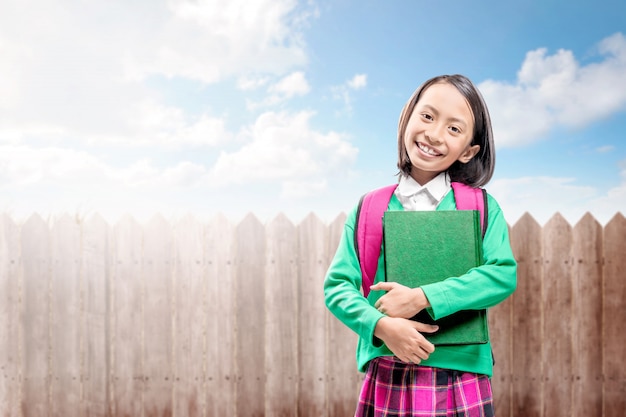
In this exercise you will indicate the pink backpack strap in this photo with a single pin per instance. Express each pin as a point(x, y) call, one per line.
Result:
point(470, 198)
point(368, 233)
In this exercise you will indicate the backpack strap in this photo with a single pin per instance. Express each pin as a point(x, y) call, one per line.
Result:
point(368, 232)
point(470, 198)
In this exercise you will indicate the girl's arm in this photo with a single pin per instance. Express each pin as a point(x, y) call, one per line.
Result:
point(345, 300)
point(342, 287)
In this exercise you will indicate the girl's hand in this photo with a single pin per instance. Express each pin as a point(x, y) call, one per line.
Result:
point(403, 338)
point(400, 301)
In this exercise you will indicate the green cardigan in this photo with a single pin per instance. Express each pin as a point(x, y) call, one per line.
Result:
point(481, 287)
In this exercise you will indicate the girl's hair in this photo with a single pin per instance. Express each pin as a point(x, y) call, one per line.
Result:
point(479, 170)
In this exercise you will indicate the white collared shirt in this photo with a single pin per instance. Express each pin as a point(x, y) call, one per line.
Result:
point(422, 197)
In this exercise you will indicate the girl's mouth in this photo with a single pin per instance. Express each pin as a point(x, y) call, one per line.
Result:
point(427, 150)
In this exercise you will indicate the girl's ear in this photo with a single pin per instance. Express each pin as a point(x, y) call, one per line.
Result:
point(469, 153)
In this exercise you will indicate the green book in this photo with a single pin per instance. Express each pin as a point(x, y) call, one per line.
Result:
point(423, 247)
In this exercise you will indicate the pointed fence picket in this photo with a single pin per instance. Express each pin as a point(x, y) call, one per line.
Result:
point(249, 293)
point(126, 376)
point(35, 369)
point(189, 335)
point(94, 318)
point(10, 318)
point(526, 389)
point(613, 342)
point(219, 259)
point(281, 319)
point(343, 380)
point(191, 318)
point(587, 259)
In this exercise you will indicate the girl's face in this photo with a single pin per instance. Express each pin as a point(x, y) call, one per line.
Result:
point(439, 132)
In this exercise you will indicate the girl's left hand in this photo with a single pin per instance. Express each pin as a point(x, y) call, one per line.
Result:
point(400, 301)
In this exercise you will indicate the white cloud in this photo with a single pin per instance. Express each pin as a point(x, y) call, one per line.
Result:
point(23, 166)
point(604, 207)
point(208, 40)
point(556, 90)
point(249, 82)
point(54, 180)
point(342, 92)
point(358, 81)
point(184, 174)
point(9, 89)
point(542, 197)
point(15, 134)
point(170, 127)
point(283, 148)
point(303, 189)
point(89, 69)
point(292, 85)
point(605, 148)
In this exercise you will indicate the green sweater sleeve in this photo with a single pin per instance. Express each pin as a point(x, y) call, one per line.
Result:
point(342, 287)
point(486, 285)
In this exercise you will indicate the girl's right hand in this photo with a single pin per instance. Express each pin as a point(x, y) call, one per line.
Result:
point(404, 338)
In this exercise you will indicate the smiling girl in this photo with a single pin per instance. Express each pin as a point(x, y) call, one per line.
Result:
point(444, 136)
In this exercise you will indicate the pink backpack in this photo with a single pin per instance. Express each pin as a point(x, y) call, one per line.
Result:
point(368, 234)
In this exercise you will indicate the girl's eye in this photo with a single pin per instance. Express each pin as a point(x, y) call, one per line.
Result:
point(427, 116)
point(455, 129)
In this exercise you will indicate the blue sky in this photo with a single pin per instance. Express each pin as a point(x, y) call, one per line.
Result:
point(281, 106)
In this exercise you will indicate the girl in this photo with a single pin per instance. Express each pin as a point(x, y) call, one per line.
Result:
point(444, 135)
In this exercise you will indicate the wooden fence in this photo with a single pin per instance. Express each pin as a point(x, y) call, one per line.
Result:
point(215, 319)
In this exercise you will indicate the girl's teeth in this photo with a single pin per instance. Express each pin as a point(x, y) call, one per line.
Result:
point(427, 150)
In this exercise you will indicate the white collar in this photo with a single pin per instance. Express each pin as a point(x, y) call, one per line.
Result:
point(438, 187)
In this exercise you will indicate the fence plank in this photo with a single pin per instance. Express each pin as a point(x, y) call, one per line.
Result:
point(500, 328)
point(250, 312)
point(221, 310)
point(65, 309)
point(527, 399)
point(36, 311)
point(587, 275)
point(96, 317)
point(281, 326)
point(157, 317)
point(313, 255)
point(10, 332)
point(558, 315)
point(500, 325)
point(614, 325)
point(343, 379)
point(189, 320)
point(127, 371)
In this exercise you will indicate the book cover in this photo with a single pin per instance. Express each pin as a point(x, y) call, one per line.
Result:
point(423, 247)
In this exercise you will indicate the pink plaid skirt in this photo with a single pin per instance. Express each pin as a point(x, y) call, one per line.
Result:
point(393, 388)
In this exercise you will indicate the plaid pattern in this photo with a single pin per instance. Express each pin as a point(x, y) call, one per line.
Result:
point(393, 388)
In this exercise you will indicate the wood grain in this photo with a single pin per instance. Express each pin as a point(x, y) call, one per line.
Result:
point(215, 318)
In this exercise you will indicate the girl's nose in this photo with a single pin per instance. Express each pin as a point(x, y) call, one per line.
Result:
point(433, 135)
